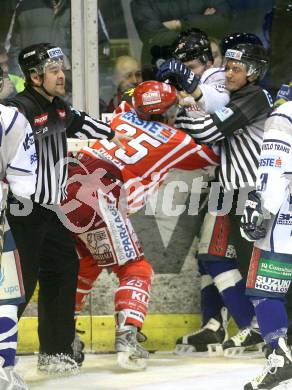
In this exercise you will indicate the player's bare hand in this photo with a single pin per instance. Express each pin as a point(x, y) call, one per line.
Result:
point(185, 99)
point(172, 24)
point(210, 11)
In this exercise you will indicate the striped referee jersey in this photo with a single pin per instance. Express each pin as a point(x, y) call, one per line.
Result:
point(51, 123)
point(238, 130)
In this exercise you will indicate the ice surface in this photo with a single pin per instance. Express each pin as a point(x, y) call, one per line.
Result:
point(165, 371)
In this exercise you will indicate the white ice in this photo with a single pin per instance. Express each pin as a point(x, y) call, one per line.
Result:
point(165, 371)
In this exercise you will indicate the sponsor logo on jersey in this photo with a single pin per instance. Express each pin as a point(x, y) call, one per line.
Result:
point(33, 158)
point(140, 297)
point(224, 113)
point(61, 112)
point(28, 141)
point(284, 219)
point(272, 285)
point(11, 289)
point(271, 162)
point(149, 98)
point(102, 153)
point(275, 269)
point(97, 242)
point(121, 230)
point(220, 87)
point(156, 129)
point(276, 146)
point(41, 119)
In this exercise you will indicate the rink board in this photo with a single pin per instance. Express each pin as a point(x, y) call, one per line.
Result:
point(162, 331)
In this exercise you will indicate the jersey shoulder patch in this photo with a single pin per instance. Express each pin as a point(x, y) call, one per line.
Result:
point(224, 113)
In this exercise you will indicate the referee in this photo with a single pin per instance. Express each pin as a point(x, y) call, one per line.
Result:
point(238, 130)
point(46, 248)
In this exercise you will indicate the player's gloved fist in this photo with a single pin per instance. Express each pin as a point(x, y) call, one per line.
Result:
point(252, 222)
point(284, 94)
point(176, 73)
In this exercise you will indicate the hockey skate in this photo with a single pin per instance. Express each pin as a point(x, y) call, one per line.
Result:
point(130, 354)
point(10, 379)
point(57, 364)
point(209, 338)
point(78, 347)
point(246, 339)
point(278, 370)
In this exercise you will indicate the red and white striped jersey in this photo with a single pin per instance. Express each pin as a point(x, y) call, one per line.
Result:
point(152, 150)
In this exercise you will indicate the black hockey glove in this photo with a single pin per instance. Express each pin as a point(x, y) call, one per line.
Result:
point(176, 73)
point(251, 223)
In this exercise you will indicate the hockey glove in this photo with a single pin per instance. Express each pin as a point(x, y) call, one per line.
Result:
point(251, 223)
point(176, 73)
point(284, 94)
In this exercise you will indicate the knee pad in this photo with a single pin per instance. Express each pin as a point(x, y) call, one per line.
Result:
point(133, 293)
point(224, 273)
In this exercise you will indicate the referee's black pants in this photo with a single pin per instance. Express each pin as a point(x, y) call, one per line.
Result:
point(47, 254)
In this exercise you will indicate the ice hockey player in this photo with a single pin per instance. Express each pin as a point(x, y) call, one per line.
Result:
point(17, 168)
point(267, 221)
point(193, 49)
point(110, 240)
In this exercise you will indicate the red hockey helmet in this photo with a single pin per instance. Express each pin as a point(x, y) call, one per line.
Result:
point(153, 98)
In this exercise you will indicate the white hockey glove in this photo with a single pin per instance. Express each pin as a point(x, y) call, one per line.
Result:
point(252, 222)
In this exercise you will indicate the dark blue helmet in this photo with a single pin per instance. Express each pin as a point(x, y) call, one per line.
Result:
point(234, 39)
point(253, 56)
point(193, 44)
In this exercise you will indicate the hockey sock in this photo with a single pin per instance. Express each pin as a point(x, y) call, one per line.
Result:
point(231, 286)
point(8, 334)
point(273, 326)
point(211, 301)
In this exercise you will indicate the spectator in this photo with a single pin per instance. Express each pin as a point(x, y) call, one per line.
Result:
point(281, 39)
point(7, 9)
point(158, 21)
point(12, 83)
point(40, 21)
point(127, 74)
point(249, 15)
point(216, 52)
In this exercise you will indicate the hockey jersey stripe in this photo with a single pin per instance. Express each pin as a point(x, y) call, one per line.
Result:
point(12, 123)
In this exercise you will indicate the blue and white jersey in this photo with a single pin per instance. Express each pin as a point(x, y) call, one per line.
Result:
point(18, 160)
point(214, 94)
point(273, 180)
point(18, 164)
